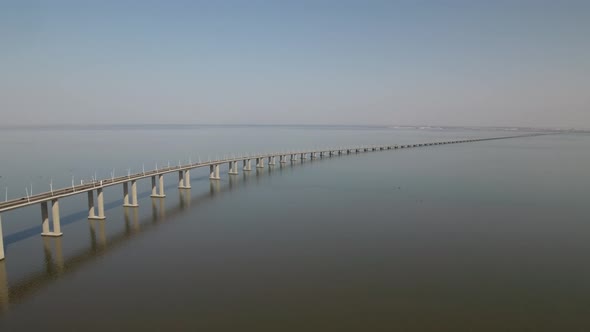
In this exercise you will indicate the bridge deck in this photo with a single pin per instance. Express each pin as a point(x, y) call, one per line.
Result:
point(82, 188)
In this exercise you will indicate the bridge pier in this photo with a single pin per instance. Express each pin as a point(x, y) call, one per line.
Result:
point(303, 157)
point(126, 194)
point(54, 215)
point(233, 168)
point(283, 159)
point(247, 165)
point(134, 193)
point(100, 201)
point(293, 158)
point(214, 172)
point(187, 179)
point(271, 161)
point(158, 191)
point(259, 162)
point(180, 179)
point(91, 213)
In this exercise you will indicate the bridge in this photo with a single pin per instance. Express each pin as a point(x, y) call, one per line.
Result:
point(96, 211)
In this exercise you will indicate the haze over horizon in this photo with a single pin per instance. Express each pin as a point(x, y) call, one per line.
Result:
point(440, 63)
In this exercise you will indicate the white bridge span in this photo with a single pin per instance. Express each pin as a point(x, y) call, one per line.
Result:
point(96, 211)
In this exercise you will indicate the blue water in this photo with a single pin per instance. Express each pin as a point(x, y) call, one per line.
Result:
point(486, 236)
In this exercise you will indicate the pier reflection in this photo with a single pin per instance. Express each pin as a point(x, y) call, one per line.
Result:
point(4, 299)
point(54, 260)
point(56, 265)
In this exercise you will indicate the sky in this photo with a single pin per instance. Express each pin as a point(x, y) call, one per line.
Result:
point(466, 63)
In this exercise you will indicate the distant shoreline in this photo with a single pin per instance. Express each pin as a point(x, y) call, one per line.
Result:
point(298, 126)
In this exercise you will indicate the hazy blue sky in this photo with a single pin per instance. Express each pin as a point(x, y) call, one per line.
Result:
point(298, 62)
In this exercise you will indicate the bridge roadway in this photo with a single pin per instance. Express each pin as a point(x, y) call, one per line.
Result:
point(184, 180)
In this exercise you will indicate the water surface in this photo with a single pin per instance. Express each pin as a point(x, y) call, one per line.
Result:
point(486, 236)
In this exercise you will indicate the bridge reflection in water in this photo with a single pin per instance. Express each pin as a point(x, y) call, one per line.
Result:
point(56, 265)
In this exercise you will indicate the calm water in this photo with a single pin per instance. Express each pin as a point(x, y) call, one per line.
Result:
point(487, 236)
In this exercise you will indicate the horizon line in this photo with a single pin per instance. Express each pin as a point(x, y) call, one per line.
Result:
point(178, 125)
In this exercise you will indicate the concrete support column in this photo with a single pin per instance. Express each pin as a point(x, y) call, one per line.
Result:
point(158, 190)
point(271, 160)
point(125, 194)
point(55, 216)
point(303, 156)
point(100, 202)
point(154, 193)
point(233, 167)
point(283, 159)
point(44, 218)
point(181, 179)
point(247, 165)
point(2, 239)
point(134, 193)
point(187, 179)
point(214, 172)
point(259, 162)
point(161, 178)
point(133, 202)
point(293, 157)
point(91, 214)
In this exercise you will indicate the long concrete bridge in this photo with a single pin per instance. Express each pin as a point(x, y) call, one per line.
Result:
point(96, 211)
